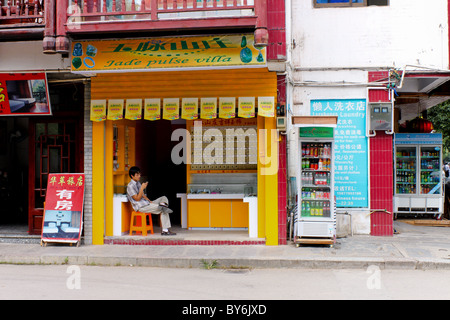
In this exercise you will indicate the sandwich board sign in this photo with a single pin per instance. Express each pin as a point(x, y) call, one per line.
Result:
point(63, 209)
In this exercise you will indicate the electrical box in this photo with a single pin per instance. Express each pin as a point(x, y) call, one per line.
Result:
point(281, 123)
point(380, 116)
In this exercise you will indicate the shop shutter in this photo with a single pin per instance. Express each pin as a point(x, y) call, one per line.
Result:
point(251, 82)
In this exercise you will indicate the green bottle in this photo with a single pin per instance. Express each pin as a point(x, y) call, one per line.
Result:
point(246, 53)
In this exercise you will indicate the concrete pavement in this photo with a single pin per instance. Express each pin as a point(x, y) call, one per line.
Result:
point(413, 247)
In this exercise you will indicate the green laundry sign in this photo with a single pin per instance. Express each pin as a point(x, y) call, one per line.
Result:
point(316, 132)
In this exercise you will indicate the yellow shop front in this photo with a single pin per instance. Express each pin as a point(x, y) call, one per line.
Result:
point(204, 137)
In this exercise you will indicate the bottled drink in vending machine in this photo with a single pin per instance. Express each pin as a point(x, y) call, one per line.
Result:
point(326, 209)
point(313, 209)
point(326, 152)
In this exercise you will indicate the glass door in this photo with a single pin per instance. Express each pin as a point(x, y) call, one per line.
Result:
point(406, 170)
point(430, 172)
point(316, 180)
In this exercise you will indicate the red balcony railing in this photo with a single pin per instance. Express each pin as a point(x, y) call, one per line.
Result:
point(21, 13)
point(112, 15)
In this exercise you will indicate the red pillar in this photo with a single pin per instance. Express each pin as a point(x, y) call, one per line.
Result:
point(282, 192)
point(282, 170)
point(381, 184)
point(49, 44)
point(261, 32)
point(381, 170)
point(62, 42)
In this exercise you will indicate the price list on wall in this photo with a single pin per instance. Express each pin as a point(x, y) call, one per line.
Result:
point(351, 152)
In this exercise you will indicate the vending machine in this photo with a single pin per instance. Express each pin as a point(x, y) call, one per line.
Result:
point(418, 177)
point(316, 216)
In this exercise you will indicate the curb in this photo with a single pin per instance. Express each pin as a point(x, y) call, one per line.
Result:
point(234, 263)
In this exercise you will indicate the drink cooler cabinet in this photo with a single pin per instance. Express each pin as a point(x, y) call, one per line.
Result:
point(418, 184)
point(316, 216)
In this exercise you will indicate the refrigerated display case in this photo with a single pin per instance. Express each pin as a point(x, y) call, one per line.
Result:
point(418, 178)
point(316, 216)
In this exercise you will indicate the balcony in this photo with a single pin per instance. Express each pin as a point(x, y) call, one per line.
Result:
point(64, 19)
point(90, 16)
point(84, 17)
point(21, 19)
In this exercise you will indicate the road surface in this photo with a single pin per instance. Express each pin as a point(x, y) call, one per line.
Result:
point(95, 282)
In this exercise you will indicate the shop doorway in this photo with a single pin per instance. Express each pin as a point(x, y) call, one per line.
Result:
point(56, 145)
point(153, 156)
point(54, 148)
point(13, 174)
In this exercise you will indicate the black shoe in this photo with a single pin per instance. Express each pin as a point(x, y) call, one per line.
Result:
point(168, 233)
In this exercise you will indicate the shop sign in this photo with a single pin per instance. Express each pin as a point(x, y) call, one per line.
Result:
point(227, 107)
point(115, 109)
point(418, 138)
point(24, 94)
point(133, 109)
point(112, 109)
point(152, 109)
point(98, 110)
point(171, 109)
point(214, 51)
point(316, 132)
point(63, 214)
point(208, 108)
point(189, 108)
point(246, 107)
point(351, 151)
point(266, 106)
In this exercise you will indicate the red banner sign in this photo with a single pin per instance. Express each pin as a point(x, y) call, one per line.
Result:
point(24, 94)
point(63, 214)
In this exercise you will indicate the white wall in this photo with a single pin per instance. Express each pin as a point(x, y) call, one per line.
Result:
point(405, 32)
point(333, 49)
point(28, 56)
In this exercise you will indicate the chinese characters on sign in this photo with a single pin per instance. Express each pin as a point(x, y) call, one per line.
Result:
point(63, 215)
point(210, 52)
point(351, 154)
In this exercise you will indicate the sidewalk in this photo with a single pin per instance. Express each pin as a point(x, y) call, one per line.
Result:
point(414, 247)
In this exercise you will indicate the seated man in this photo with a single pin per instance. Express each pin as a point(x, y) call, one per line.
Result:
point(140, 202)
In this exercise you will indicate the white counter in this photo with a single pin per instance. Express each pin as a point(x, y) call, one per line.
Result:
point(252, 216)
point(216, 196)
point(252, 207)
point(118, 199)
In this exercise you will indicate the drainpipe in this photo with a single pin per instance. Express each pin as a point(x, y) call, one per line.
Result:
point(49, 43)
point(261, 32)
point(62, 42)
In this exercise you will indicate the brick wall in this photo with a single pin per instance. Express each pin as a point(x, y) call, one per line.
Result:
point(276, 25)
point(87, 211)
point(381, 184)
point(282, 191)
point(282, 170)
point(381, 170)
